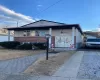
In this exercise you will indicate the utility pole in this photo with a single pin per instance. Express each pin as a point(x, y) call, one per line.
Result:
point(17, 23)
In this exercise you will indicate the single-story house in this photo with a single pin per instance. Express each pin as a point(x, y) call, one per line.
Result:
point(62, 35)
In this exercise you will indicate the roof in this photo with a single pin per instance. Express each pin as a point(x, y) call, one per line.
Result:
point(45, 24)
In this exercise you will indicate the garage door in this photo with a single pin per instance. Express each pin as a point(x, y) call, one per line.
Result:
point(62, 41)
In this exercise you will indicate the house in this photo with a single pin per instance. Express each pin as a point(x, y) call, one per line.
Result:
point(91, 34)
point(62, 35)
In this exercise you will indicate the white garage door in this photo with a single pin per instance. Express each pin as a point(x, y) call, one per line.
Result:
point(62, 41)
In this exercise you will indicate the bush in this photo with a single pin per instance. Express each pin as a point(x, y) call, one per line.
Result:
point(9, 44)
point(25, 46)
point(29, 46)
point(40, 45)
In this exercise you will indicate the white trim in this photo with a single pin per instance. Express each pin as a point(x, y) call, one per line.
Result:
point(50, 32)
point(8, 35)
point(73, 34)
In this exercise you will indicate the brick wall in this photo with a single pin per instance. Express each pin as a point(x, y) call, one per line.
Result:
point(30, 39)
point(34, 39)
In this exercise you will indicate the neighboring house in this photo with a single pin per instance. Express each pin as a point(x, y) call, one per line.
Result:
point(5, 38)
point(90, 34)
point(4, 35)
point(62, 35)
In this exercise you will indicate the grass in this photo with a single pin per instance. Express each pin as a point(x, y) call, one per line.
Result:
point(11, 54)
point(49, 67)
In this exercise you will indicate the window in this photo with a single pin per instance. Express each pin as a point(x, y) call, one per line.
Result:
point(37, 33)
point(32, 33)
point(26, 33)
point(42, 33)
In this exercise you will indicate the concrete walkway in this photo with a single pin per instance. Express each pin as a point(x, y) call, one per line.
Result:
point(70, 69)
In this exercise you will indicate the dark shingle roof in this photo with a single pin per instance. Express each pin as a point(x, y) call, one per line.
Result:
point(45, 24)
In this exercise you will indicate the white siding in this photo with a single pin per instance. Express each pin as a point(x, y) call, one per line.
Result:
point(79, 39)
point(73, 37)
point(58, 32)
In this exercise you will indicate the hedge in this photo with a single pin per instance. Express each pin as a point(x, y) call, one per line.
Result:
point(40, 45)
point(25, 46)
point(9, 44)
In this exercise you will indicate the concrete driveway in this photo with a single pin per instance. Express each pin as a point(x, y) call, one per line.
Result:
point(18, 65)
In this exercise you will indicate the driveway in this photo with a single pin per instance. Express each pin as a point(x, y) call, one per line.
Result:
point(90, 66)
point(18, 65)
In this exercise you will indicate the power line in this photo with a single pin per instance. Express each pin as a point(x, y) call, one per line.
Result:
point(50, 6)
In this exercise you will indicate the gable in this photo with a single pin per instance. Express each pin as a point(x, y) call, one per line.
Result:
point(42, 23)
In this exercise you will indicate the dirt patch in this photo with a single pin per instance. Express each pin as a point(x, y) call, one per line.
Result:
point(49, 67)
point(10, 54)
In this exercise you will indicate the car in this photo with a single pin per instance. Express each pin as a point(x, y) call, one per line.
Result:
point(93, 43)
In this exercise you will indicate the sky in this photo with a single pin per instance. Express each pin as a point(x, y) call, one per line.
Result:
point(83, 12)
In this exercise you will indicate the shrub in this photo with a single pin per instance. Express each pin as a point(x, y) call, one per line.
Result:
point(34, 47)
point(9, 44)
point(40, 45)
point(25, 46)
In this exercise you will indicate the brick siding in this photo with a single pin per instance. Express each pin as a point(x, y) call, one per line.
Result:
point(34, 39)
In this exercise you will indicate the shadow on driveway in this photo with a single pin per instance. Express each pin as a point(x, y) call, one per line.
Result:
point(88, 49)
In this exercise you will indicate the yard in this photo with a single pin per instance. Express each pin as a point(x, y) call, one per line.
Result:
point(11, 54)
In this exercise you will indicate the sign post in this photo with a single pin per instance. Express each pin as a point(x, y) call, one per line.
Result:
point(47, 42)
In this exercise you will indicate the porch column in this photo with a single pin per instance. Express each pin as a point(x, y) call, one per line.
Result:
point(73, 37)
point(50, 32)
point(8, 35)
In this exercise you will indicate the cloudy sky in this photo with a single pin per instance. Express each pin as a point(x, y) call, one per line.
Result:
point(83, 12)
